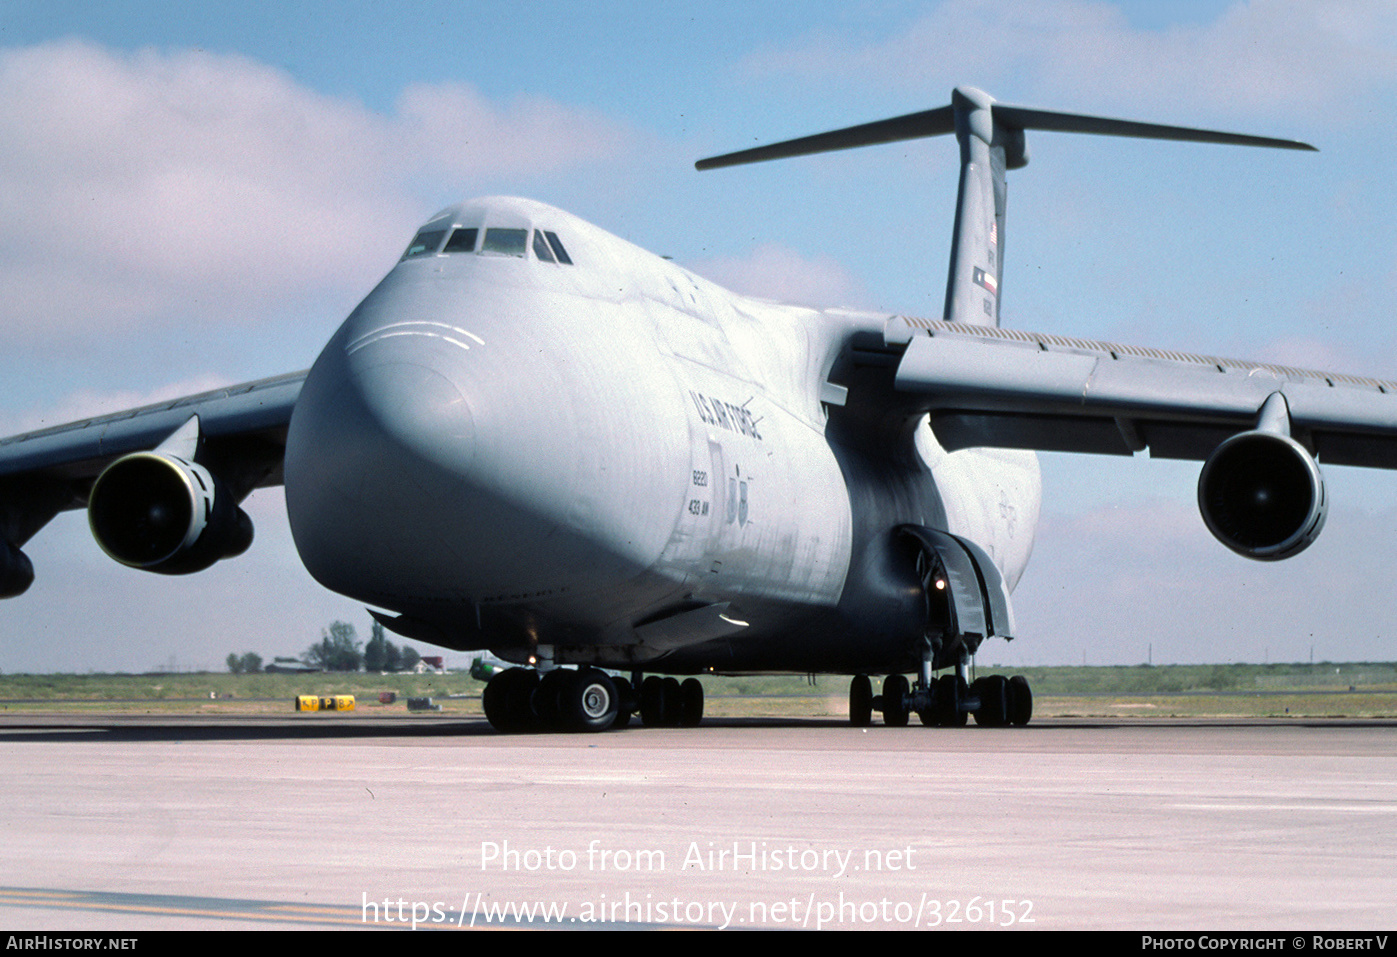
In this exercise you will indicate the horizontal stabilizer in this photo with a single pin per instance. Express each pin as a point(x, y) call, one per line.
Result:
point(910, 127)
point(1026, 118)
point(940, 122)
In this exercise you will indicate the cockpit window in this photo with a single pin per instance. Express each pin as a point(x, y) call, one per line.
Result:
point(498, 241)
point(424, 243)
point(558, 249)
point(461, 241)
point(506, 242)
point(541, 250)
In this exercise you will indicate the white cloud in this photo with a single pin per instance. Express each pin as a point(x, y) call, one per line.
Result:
point(149, 188)
point(1267, 55)
point(466, 134)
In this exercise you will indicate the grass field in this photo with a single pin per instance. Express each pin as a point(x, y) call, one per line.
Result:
point(1360, 689)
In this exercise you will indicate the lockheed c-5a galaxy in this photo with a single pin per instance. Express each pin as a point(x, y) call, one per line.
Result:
point(535, 438)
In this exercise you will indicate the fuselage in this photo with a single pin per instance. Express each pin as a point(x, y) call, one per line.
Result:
point(537, 438)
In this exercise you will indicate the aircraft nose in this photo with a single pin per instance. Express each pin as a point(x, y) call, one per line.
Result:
point(378, 452)
point(431, 466)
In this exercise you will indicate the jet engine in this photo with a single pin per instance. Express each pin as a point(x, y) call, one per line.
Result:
point(16, 571)
point(1262, 495)
point(158, 512)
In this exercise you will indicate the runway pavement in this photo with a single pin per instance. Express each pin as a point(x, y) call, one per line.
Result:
point(341, 821)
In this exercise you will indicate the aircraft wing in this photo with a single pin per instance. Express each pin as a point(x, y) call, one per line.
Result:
point(1004, 388)
point(240, 435)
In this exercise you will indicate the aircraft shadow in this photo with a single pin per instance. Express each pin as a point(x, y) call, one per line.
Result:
point(17, 729)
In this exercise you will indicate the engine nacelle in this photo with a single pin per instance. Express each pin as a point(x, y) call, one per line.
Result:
point(1262, 495)
point(16, 571)
point(157, 512)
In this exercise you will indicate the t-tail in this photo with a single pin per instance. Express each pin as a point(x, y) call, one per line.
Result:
point(991, 137)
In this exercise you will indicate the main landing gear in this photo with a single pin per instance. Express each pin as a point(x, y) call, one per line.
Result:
point(666, 703)
point(947, 701)
point(587, 699)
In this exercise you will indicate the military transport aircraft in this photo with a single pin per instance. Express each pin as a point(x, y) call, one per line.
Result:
point(535, 438)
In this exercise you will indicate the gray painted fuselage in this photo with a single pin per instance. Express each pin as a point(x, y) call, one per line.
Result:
point(616, 462)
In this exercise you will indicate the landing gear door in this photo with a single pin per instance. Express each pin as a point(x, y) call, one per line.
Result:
point(1001, 609)
point(979, 599)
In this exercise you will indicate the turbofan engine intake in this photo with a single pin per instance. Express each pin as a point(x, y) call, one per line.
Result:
point(157, 512)
point(1262, 495)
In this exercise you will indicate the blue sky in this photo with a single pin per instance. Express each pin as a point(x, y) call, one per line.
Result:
point(196, 194)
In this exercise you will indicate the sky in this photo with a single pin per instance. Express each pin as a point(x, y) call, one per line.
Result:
point(193, 195)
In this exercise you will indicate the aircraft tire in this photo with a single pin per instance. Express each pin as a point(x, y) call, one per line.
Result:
point(673, 713)
point(549, 698)
point(652, 701)
point(977, 690)
point(994, 701)
point(627, 705)
point(588, 701)
point(860, 701)
point(962, 717)
point(507, 698)
point(1019, 701)
point(895, 701)
point(929, 716)
point(690, 703)
point(950, 692)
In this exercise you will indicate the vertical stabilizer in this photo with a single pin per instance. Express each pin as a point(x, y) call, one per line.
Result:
point(977, 255)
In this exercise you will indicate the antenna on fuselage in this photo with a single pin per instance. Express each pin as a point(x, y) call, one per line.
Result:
point(991, 137)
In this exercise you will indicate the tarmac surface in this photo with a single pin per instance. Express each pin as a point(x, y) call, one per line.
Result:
point(324, 821)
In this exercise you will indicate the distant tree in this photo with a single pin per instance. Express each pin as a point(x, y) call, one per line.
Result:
point(380, 654)
point(395, 658)
point(338, 649)
point(376, 651)
point(247, 664)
